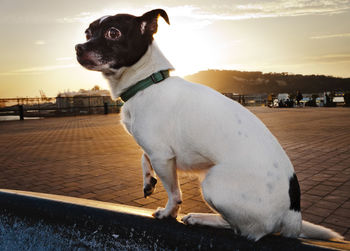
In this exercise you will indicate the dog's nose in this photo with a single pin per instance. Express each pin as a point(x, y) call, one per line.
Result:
point(79, 48)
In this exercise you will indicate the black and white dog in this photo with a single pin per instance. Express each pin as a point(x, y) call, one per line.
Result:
point(246, 177)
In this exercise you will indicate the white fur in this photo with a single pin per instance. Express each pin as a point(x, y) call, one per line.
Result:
point(103, 18)
point(182, 125)
point(143, 27)
point(151, 62)
point(312, 231)
point(96, 58)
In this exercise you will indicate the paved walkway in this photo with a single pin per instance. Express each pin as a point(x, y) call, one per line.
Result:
point(93, 157)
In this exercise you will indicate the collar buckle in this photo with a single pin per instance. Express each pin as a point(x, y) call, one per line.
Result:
point(153, 79)
point(158, 77)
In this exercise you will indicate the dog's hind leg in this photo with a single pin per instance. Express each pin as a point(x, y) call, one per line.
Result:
point(149, 180)
point(212, 220)
point(238, 198)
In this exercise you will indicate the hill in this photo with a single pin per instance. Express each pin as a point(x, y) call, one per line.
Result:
point(244, 82)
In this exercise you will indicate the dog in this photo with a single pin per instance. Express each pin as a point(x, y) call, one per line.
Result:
point(246, 177)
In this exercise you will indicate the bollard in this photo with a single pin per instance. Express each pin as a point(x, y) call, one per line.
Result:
point(106, 107)
point(21, 112)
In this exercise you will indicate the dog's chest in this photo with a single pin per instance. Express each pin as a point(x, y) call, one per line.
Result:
point(126, 119)
point(188, 160)
point(192, 166)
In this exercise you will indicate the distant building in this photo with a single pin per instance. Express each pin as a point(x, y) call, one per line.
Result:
point(83, 101)
point(251, 99)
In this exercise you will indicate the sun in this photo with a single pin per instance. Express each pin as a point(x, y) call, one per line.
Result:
point(187, 48)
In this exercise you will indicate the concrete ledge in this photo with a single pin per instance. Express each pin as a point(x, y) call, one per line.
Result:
point(127, 221)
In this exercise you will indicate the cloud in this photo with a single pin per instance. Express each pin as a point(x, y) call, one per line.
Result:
point(82, 17)
point(39, 42)
point(36, 70)
point(281, 8)
point(88, 17)
point(340, 35)
point(287, 8)
point(64, 59)
point(331, 58)
point(231, 11)
point(262, 9)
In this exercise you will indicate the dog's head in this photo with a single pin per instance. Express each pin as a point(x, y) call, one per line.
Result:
point(117, 41)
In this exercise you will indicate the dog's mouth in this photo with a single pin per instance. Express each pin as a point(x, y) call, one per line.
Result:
point(91, 60)
point(87, 62)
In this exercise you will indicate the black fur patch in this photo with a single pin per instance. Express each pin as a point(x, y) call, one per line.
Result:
point(153, 181)
point(294, 193)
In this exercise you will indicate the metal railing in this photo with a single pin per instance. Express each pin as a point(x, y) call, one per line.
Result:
point(59, 106)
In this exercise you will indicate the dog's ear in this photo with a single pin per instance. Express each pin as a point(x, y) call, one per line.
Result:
point(149, 21)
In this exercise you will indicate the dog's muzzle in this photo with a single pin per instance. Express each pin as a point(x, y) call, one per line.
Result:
point(80, 48)
point(85, 57)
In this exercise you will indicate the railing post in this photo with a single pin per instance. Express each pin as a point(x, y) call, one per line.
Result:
point(89, 104)
point(21, 112)
point(105, 104)
point(39, 107)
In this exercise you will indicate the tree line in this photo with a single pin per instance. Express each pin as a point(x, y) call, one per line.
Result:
point(245, 82)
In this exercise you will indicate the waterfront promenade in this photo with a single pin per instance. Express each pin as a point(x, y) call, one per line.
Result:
point(93, 157)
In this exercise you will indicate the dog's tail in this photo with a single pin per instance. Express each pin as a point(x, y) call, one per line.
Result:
point(294, 227)
point(313, 231)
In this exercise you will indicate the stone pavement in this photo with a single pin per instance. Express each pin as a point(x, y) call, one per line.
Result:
point(93, 157)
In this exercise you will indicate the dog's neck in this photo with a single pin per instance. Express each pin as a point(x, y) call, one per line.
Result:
point(152, 61)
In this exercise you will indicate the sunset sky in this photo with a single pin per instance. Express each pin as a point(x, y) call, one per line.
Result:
point(297, 36)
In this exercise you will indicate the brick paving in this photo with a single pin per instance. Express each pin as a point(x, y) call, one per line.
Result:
point(93, 157)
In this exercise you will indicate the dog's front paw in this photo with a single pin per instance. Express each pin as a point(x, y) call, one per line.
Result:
point(149, 188)
point(162, 213)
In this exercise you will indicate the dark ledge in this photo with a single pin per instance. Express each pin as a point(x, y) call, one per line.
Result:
point(137, 223)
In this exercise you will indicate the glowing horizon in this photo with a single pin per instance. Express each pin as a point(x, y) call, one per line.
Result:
point(300, 36)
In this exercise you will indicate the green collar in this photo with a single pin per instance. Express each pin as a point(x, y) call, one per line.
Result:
point(143, 84)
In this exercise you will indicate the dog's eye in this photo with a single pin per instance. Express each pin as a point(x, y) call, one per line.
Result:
point(113, 33)
point(88, 34)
